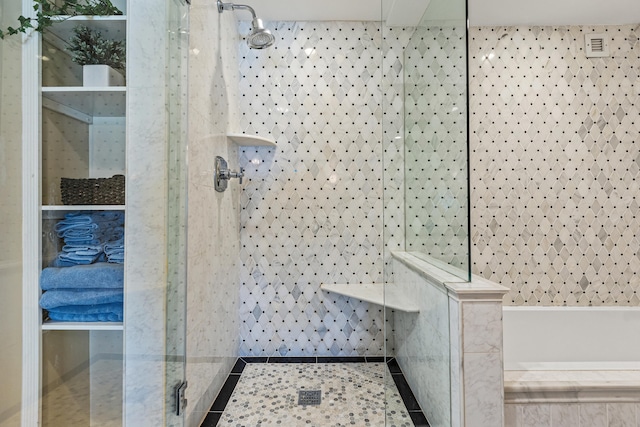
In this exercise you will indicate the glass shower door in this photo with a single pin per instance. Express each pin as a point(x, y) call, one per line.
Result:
point(426, 186)
point(436, 142)
point(178, 48)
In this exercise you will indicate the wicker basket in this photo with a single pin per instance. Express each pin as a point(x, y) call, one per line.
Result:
point(93, 191)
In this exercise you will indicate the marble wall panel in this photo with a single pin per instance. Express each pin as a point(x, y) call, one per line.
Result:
point(213, 217)
point(572, 415)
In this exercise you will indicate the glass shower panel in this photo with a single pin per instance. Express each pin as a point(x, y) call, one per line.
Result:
point(436, 147)
point(178, 48)
point(311, 218)
point(10, 221)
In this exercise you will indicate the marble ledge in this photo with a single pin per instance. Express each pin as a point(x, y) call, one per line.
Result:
point(386, 295)
point(571, 386)
point(246, 140)
point(477, 289)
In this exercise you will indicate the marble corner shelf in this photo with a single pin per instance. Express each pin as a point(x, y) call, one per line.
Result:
point(245, 140)
point(375, 293)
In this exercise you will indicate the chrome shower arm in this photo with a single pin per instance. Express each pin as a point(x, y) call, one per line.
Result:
point(260, 37)
point(232, 6)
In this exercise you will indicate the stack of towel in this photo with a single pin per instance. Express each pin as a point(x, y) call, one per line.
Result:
point(84, 293)
point(85, 281)
point(90, 237)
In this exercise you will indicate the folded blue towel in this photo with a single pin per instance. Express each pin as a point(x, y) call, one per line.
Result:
point(63, 227)
point(84, 235)
point(69, 259)
point(100, 275)
point(115, 251)
point(64, 297)
point(116, 258)
point(98, 317)
point(57, 262)
point(115, 308)
point(108, 216)
point(80, 232)
point(74, 218)
point(83, 249)
point(83, 241)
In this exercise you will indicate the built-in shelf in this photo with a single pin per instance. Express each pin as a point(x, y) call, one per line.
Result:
point(82, 326)
point(83, 207)
point(387, 295)
point(58, 211)
point(85, 103)
point(251, 140)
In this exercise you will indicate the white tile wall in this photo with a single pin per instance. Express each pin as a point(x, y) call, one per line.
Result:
point(312, 208)
point(555, 164)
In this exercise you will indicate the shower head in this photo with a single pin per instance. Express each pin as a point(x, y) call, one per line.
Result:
point(260, 37)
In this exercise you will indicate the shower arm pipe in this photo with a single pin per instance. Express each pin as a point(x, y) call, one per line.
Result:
point(232, 6)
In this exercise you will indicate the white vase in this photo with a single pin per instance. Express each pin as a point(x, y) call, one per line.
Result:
point(100, 76)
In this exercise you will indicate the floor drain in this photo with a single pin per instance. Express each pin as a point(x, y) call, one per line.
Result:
point(309, 397)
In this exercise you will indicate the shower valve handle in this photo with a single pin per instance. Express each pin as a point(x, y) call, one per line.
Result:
point(222, 174)
point(238, 175)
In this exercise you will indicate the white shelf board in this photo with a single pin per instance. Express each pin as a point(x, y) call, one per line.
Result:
point(251, 140)
point(82, 326)
point(58, 211)
point(69, 208)
point(376, 293)
point(87, 102)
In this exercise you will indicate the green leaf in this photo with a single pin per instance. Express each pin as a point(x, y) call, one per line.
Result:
point(45, 10)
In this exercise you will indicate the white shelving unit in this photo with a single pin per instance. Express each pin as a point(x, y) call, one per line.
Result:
point(77, 132)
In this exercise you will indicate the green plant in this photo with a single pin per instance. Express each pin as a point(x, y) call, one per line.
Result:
point(49, 11)
point(87, 47)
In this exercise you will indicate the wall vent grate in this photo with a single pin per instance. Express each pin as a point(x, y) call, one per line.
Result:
point(596, 45)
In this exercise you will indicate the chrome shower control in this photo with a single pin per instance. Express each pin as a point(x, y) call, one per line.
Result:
point(222, 174)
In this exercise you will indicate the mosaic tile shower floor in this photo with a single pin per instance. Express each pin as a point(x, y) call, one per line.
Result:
point(352, 394)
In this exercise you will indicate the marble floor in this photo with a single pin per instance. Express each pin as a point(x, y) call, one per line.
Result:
point(352, 394)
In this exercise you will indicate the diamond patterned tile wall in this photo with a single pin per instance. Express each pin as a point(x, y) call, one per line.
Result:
point(312, 209)
point(436, 145)
point(555, 164)
point(395, 39)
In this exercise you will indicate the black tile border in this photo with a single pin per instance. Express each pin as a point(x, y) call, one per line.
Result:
point(211, 419)
point(410, 402)
point(238, 367)
point(408, 398)
point(225, 393)
point(418, 418)
point(341, 360)
point(292, 360)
